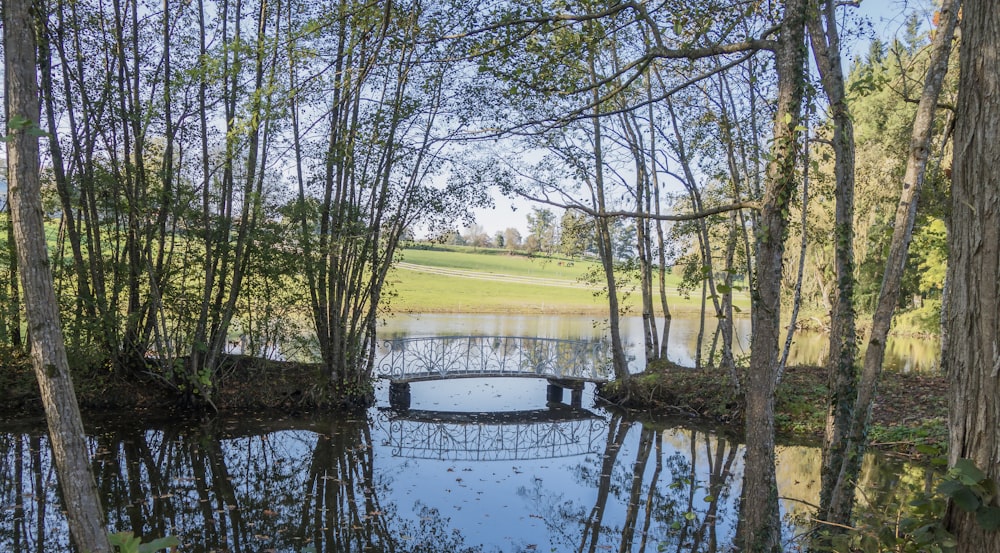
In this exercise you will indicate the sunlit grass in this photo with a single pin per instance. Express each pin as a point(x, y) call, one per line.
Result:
point(566, 291)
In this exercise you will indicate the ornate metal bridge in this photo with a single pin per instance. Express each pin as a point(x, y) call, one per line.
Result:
point(560, 431)
point(564, 363)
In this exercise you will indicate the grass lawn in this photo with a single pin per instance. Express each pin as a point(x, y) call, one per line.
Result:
point(500, 262)
point(466, 280)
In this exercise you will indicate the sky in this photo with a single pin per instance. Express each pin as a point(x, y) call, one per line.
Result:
point(882, 18)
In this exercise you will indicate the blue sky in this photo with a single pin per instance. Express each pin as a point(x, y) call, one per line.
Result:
point(882, 18)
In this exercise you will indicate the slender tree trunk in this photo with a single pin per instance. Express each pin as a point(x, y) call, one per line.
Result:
point(842, 469)
point(825, 40)
point(660, 245)
point(708, 288)
point(48, 353)
point(199, 346)
point(973, 320)
point(761, 530)
point(85, 301)
point(797, 294)
point(604, 243)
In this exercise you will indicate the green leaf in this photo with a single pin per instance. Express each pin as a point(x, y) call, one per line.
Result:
point(968, 472)
point(966, 500)
point(709, 498)
point(949, 488)
point(159, 544)
point(988, 518)
point(690, 515)
point(126, 542)
point(18, 122)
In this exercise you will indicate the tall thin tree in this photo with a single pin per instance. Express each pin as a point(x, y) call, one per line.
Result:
point(48, 351)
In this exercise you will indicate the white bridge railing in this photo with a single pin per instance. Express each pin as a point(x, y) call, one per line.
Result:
point(444, 357)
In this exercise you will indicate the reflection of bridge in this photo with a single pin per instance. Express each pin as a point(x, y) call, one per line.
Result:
point(560, 431)
point(564, 363)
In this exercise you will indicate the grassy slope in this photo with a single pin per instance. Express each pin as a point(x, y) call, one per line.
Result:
point(464, 280)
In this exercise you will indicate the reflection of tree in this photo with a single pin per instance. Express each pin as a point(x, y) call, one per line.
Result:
point(129, 480)
point(230, 517)
point(25, 492)
point(428, 534)
point(12, 530)
point(341, 507)
point(224, 486)
point(618, 428)
point(251, 486)
point(720, 469)
point(638, 472)
point(659, 513)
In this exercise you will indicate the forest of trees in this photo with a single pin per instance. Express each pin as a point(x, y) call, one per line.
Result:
point(246, 168)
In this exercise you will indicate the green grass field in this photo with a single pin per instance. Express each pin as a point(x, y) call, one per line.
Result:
point(463, 280)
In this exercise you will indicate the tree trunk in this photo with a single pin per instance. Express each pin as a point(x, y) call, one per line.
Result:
point(85, 300)
point(760, 530)
point(842, 379)
point(797, 295)
point(841, 476)
point(604, 242)
point(974, 268)
point(48, 353)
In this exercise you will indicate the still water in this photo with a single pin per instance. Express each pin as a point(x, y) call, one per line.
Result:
point(440, 477)
point(809, 348)
point(475, 465)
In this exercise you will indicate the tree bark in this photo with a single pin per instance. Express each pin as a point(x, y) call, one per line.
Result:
point(760, 530)
point(604, 243)
point(48, 353)
point(825, 39)
point(840, 478)
point(974, 268)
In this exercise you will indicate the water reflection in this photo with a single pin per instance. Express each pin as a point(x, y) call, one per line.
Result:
point(558, 431)
point(346, 485)
point(903, 353)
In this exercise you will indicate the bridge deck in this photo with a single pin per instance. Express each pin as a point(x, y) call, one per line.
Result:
point(427, 377)
point(448, 357)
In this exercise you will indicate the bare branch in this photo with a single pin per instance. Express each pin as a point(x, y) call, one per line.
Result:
point(637, 215)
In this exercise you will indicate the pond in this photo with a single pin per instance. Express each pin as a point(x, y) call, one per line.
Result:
point(473, 465)
point(449, 475)
point(903, 353)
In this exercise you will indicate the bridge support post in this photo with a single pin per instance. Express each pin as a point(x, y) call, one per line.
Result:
point(399, 395)
point(554, 391)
